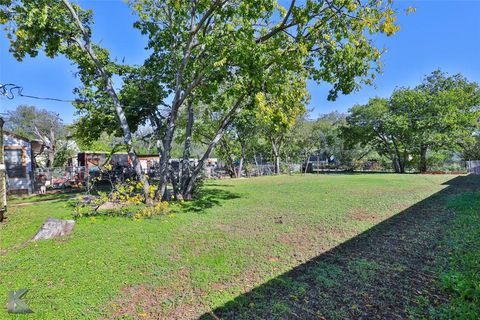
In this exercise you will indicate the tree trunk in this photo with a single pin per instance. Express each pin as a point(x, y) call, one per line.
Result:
point(175, 179)
point(423, 159)
point(401, 164)
point(52, 151)
point(307, 161)
point(240, 165)
point(277, 164)
point(395, 163)
point(276, 156)
point(229, 162)
point(220, 132)
point(167, 148)
point(186, 150)
point(51, 159)
point(398, 157)
point(232, 172)
point(122, 119)
point(161, 193)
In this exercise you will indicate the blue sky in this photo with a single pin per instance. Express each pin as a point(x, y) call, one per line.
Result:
point(442, 34)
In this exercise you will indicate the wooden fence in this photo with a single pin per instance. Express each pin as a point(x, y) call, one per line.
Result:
point(473, 166)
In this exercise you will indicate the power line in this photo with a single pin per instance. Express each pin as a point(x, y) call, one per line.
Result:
point(7, 90)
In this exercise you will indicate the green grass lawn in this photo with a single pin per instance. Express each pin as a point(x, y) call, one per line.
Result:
point(14, 200)
point(460, 262)
point(238, 235)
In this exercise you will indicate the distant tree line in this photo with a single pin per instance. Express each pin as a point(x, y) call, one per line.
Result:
point(414, 129)
point(417, 124)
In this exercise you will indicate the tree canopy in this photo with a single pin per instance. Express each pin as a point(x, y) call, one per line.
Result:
point(440, 113)
point(220, 54)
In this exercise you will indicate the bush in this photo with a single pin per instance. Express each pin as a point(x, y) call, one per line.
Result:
point(161, 208)
point(125, 200)
point(248, 167)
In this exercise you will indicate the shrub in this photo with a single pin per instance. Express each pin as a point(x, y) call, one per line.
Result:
point(248, 167)
point(161, 208)
point(284, 168)
point(125, 200)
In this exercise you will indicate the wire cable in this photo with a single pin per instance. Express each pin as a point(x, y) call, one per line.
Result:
point(7, 90)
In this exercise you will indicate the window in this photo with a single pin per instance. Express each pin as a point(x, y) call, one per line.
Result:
point(14, 163)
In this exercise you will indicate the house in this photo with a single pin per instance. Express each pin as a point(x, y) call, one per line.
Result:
point(19, 156)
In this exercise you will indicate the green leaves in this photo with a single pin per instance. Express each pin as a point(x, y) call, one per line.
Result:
point(442, 110)
point(213, 53)
point(439, 114)
point(33, 25)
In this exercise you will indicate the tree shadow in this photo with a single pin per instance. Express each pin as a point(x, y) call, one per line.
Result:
point(379, 274)
point(213, 184)
point(38, 198)
point(208, 198)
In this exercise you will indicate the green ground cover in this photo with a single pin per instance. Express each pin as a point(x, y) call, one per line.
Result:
point(213, 253)
point(459, 264)
point(14, 200)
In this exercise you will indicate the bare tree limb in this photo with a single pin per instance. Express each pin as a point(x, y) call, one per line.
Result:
point(101, 70)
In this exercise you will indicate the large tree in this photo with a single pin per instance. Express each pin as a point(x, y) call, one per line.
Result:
point(442, 113)
point(278, 109)
point(198, 48)
point(439, 114)
point(373, 125)
point(60, 27)
point(234, 44)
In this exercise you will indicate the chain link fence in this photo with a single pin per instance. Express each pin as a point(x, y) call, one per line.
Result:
point(59, 178)
point(77, 177)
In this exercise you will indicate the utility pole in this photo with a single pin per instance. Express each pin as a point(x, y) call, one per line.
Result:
point(3, 185)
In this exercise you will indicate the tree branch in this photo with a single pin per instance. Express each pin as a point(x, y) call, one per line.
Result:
point(101, 70)
point(282, 26)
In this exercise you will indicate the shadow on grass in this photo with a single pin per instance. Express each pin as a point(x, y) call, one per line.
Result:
point(379, 274)
point(208, 198)
point(213, 184)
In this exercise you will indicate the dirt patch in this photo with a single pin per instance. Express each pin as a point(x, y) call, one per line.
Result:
point(362, 215)
point(145, 301)
point(177, 301)
point(306, 243)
